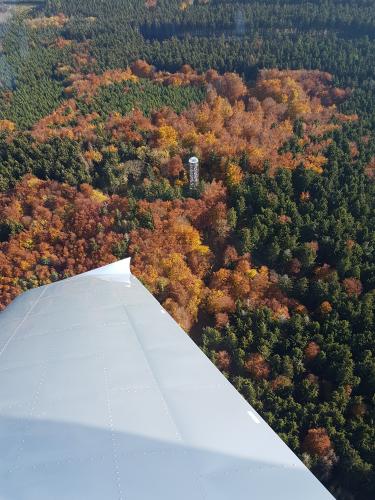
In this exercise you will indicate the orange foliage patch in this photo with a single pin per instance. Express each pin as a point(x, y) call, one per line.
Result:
point(223, 360)
point(317, 442)
point(86, 86)
point(64, 233)
point(235, 121)
point(311, 351)
point(353, 286)
point(370, 169)
point(257, 366)
point(280, 382)
point(325, 307)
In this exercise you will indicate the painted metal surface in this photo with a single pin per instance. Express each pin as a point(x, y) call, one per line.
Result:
point(103, 396)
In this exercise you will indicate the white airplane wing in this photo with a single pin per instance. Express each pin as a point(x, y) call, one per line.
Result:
point(104, 397)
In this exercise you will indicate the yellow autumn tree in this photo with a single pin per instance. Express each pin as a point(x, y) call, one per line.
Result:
point(234, 174)
point(7, 126)
point(166, 137)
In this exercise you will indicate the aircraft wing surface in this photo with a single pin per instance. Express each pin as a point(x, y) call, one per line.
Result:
point(104, 397)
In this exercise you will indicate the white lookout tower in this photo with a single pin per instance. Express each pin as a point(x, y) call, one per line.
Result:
point(194, 172)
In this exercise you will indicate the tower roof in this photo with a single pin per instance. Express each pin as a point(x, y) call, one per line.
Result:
point(193, 160)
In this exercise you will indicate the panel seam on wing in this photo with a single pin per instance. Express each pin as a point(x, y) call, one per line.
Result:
point(159, 388)
point(4, 348)
point(113, 435)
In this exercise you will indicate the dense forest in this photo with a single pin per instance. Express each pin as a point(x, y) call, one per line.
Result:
point(269, 263)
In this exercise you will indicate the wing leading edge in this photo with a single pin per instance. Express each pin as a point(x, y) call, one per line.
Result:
point(103, 396)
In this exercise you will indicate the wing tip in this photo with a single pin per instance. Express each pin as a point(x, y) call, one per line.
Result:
point(118, 269)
